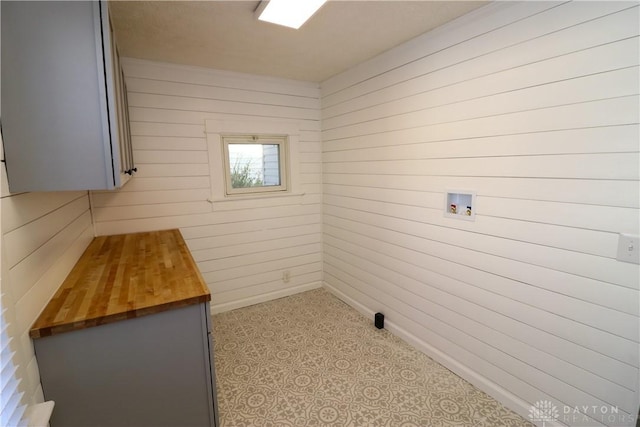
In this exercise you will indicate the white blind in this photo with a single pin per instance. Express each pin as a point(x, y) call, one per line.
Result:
point(11, 407)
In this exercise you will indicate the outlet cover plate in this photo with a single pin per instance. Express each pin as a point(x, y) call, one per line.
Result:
point(628, 248)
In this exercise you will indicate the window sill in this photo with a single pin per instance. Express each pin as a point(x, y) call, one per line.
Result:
point(243, 197)
point(38, 415)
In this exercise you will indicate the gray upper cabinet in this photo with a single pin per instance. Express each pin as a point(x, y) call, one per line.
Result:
point(64, 116)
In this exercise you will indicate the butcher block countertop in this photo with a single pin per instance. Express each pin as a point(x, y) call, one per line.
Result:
point(121, 277)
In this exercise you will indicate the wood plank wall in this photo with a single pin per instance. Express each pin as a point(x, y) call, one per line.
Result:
point(242, 248)
point(534, 106)
point(43, 235)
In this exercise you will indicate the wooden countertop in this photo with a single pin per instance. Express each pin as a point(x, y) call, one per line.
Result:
point(122, 277)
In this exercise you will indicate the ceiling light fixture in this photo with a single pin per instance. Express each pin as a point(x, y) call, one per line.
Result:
point(290, 13)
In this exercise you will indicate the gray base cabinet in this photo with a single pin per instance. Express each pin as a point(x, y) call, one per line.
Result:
point(155, 370)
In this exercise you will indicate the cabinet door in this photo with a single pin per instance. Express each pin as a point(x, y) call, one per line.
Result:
point(124, 163)
point(210, 368)
point(59, 119)
point(121, 149)
point(149, 371)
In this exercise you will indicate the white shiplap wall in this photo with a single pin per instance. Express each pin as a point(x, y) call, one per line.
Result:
point(43, 235)
point(243, 247)
point(533, 106)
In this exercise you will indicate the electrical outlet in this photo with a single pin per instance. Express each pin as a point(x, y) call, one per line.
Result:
point(628, 248)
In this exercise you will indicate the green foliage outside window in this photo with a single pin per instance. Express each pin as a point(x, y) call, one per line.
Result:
point(242, 177)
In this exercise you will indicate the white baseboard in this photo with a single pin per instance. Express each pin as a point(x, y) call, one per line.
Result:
point(502, 395)
point(245, 302)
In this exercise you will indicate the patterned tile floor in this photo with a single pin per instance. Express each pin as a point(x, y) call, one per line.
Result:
point(311, 360)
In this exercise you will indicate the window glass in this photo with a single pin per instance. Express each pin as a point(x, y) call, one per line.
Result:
point(255, 164)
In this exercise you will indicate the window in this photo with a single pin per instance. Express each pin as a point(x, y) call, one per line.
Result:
point(11, 407)
point(224, 132)
point(255, 163)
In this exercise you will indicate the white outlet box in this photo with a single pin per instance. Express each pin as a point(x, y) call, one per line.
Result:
point(460, 205)
point(286, 276)
point(628, 248)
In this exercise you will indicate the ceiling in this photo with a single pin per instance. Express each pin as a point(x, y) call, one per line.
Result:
point(225, 34)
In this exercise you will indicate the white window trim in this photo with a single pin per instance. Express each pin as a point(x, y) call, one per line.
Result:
point(283, 163)
point(215, 129)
